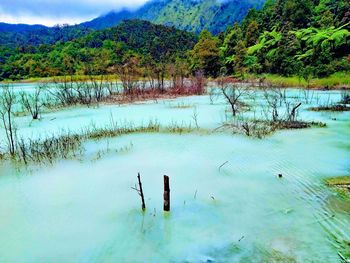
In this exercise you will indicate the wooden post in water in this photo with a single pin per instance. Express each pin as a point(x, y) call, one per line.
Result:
point(141, 192)
point(166, 194)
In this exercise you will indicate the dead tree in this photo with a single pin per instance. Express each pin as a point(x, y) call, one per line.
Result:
point(98, 87)
point(177, 71)
point(307, 95)
point(273, 102)
point(32, 102)
point(140, 192)
point(195, 117)
point(150, 75)
point(63, 91)
point(160, 73)
point(166, 195)
point(7, 102)
point(278, 106)
point(345, 97)
point(246, 128)
point(84, 92)
point(212, 95)
point(129, 74)
point(198, 83)
point(293, 112)
point(233, 93)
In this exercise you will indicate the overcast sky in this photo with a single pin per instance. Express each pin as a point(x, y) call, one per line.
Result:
point(51, 12)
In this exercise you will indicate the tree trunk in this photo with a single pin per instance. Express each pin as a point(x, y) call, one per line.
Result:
point(166, 194)
point(141, 193)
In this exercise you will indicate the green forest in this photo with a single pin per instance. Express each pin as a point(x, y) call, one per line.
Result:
point(99, 52)
point(286, 37)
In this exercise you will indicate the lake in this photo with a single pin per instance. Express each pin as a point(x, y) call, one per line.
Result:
point(227, 202)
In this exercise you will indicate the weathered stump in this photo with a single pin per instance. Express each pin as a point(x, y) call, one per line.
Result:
point(166, 194)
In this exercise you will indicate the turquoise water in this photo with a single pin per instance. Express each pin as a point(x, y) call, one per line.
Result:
point(84, 210)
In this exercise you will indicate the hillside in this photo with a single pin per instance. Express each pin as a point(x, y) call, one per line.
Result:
point(96, 52)
point(15, 35)
point(188, 15)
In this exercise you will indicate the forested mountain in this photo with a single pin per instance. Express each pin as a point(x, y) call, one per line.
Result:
point(190, 15)
point(98, 51)
point(20, 28)
point(21, 35)
point(304, 38)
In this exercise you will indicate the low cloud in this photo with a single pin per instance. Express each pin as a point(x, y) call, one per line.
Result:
point(50, 12)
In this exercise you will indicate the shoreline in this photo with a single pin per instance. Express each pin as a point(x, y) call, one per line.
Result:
point(338, 81)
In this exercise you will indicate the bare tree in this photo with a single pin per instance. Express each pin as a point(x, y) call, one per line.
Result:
point(112, 87)
point(279, 108)
point(273, 102)
point(150, 75)
point(129, 74)
point(345, 97)
point(32, 102)
point(63, 91)
point(292, 111)
point(7, 101)
point(99, 87)
point(178, 72)
point(84, 93)
point(233, 92)
point(213, 95)
point(195, 117)
point(160, 71)
point(307, 95)
point(198, 83)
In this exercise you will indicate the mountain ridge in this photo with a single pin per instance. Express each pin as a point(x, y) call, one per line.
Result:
point(170, 13)
point(189, 15)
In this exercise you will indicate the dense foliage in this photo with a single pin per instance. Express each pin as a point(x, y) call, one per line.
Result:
point(291, 37)
point(21, 35)
point(287, 37)
point(97, 52)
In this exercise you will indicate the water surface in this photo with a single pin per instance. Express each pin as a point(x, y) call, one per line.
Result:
point(84, 210)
